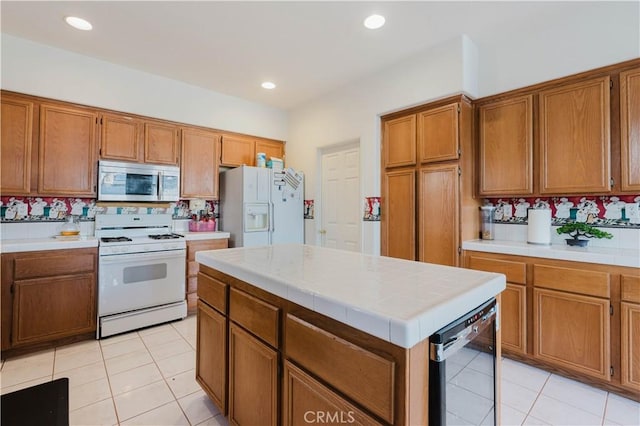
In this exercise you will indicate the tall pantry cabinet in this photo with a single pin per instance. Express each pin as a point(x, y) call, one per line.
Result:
point(427, 182)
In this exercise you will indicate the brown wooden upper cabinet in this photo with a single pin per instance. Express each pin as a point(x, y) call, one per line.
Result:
point(17, 134)
point(238, 150)
point(199, 164)
point(67, 152)
point(399, 142)
point(575, 138)
point(131, 139)
point(506, 147)
point(438, 134)
point(630, 129)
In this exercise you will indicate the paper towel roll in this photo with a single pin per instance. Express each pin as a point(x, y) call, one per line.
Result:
point(539, 226)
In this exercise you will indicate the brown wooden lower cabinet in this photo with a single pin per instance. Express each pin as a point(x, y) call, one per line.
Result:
point(578, 319)
point(48, 298)
point(572, 331)
point(192, 267)
point(253, 380)
point(211, 356)
point(307, 401)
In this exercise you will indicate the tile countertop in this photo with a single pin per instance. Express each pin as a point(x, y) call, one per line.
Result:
point(602, 255)
point(191, 236)
point(51, 243)
point(399, 301)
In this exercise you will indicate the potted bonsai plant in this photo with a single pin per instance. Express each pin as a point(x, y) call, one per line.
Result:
point(577, 229)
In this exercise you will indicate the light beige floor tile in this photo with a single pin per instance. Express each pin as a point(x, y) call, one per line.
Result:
point(622, 410)
point(191, 339)
point(121, 348)
point(127, 361)
point(555, 412)
point(23, 385)
point(118, 338)
point(75, 359)
point(37, 359)
point(155, 329)
point(511, 416)
point(524, 375)
point(73, 348)
point(26, 370)
point(577, 394)
point(166, 415)
point(88, 393)
point(517, 397)
point(532, 421)
point(141, 400)
point(100, 413)
point(161, 337)
point(187, 325)
point(183, 384)
point(218, 420)
point(198, 407)
point(134, 378)
point(84, 374)
point(177, 364)
point(169, 349)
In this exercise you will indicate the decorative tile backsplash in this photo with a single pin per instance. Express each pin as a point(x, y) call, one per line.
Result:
point(308, 209)
point(618, 211)
point(371, 209)
point(42, 209)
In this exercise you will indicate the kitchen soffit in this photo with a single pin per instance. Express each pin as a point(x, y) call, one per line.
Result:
point(309, 48)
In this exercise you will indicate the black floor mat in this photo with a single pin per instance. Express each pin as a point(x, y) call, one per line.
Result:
point(44, 404)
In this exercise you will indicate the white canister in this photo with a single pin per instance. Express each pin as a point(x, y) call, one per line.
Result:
point(539, 226)
point(261, 159)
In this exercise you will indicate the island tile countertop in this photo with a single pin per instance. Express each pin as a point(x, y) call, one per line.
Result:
point(51, 243)
point(602, 255)
point(400, 301)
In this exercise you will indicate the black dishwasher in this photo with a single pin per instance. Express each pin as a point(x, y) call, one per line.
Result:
point(462, 369)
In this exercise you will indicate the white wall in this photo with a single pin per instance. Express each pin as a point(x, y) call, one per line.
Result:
point(352, 113)
point(599, 34)
point(41, 70)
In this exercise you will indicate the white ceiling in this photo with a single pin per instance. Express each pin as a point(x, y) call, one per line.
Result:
point(306, 48)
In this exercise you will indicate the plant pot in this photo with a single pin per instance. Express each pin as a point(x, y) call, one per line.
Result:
point(576, 242)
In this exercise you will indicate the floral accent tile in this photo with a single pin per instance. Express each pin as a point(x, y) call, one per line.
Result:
point(371, 209)
point(606, 211)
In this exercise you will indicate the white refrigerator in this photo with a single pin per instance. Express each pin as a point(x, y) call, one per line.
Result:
point(260, 206)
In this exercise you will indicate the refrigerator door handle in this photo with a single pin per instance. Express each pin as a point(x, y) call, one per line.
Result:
point(271, 222)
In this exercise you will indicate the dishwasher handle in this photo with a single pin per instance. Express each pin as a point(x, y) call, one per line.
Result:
point(441, 351)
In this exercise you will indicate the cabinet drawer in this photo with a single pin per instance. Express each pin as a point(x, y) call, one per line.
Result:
point(260, 318)
point(592, 283)
point(192, 268)
point(67, 263)
point(630, 288)
point(192, 284)
point(364, 376)
point(516, 272)
point(212, 292)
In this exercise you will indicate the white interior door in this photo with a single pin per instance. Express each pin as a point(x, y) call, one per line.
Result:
point(340, 204)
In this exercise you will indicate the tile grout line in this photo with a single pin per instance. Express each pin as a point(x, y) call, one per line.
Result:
point(536, 400)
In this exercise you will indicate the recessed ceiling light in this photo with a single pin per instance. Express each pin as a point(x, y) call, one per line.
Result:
point(79, 23)
point(374, 22)
point(268, 85)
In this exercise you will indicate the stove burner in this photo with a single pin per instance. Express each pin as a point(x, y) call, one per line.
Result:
point(114, 239)
point(165, 236)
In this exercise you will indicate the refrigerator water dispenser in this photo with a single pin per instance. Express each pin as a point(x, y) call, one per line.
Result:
point(256, 217)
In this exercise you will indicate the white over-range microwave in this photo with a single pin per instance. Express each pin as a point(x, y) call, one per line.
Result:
point(121, 181)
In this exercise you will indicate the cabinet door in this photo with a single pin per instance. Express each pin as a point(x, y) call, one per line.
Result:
point(211, 354)
point(253, 380)
point(513, 318)
point(630, 337)
point(399, 142)
point(398, 215)
point(15, 150)
point(120, 137)
point(575, 138)
point(192, 267)
point(439, 218)
point(506, 147)
point(50, 308)
point(270, 148)
point(438, 134)
point(308, 401)
point(237, 151)
point(67, 161)
point(161, 143)
point(199, 165)
point(630, 129)
point(572, 332)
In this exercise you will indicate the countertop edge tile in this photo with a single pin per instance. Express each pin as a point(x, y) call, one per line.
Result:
point(38, 244)
point(194, 236)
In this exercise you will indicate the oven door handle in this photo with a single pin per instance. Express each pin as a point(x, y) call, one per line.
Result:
point(136, 257)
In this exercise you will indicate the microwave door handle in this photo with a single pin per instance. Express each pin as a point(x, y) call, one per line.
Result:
point(160, 186)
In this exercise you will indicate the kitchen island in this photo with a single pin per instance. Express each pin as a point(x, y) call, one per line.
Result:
point(295, 334)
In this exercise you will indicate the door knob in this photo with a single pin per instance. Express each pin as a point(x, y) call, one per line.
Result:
point(322, 231)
